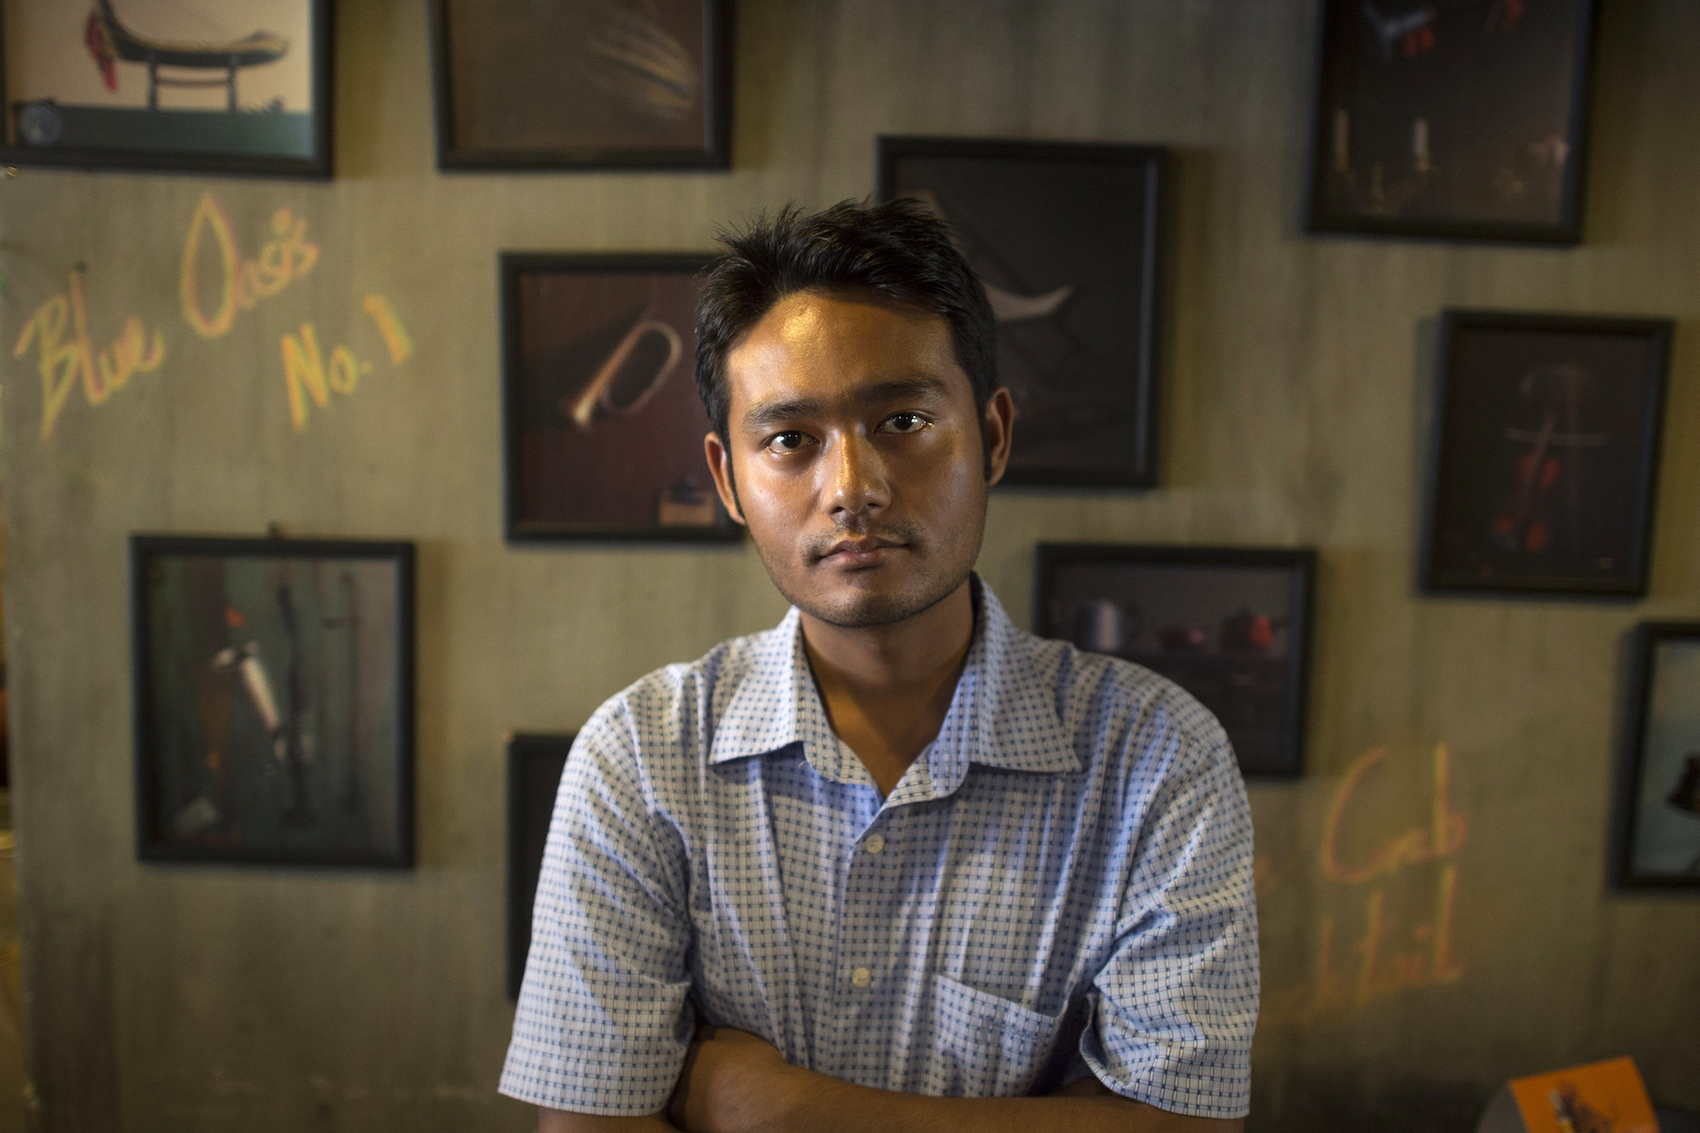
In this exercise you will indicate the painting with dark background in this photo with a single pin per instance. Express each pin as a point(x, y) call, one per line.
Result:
point(1662, 764)
point(605, 427)
point(273, 694)
point(209, 84)
point(1065, 238)
point(1451, 118)
point(1545, 453)
point(582, 82)
point(1228, 625)
point(535, 763)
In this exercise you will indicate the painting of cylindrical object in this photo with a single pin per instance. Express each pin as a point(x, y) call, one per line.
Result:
point(604, 426)
point(273, 699)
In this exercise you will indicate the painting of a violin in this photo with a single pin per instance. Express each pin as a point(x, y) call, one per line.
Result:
point(1546, 445)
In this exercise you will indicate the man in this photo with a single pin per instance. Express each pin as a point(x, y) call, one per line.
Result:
point(894, 865)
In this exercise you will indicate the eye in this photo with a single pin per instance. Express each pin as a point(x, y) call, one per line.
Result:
point(787, 442)
point(906, 423)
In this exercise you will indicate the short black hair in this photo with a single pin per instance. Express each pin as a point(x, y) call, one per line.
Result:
point(898, 250)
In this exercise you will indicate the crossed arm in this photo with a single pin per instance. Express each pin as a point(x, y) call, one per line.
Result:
point(734, 1082)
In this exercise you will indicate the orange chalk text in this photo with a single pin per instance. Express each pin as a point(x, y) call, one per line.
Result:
point(60, 333)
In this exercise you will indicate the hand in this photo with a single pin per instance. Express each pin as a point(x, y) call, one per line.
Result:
point(728, 1083)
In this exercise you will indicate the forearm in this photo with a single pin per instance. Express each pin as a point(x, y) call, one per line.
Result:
point(560, 1121)
point(825, 1105)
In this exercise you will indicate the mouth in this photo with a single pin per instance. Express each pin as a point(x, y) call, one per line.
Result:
point(858, 554)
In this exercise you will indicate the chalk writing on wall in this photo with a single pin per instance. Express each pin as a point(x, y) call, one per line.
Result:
point(241, 283)
point(59, 330)
point(1392, 951)
point(216, 281)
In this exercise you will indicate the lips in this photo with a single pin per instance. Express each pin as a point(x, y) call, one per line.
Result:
point(853, 554)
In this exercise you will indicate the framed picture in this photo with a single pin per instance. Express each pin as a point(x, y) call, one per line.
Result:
point(1659, 784)
point(273, 700)
point(1230, 625)
point(604, 427)
point(535, 763)
point(1068, 242)
point(1461, 119)
point(1546, 447)
point(201, 86)
point(583, 84)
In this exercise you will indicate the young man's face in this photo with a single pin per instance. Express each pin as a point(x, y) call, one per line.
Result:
point(857, 453)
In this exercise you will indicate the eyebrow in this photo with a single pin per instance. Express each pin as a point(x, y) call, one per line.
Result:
point(765, 414)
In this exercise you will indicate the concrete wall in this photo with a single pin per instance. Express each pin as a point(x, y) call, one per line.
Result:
point(1295, 404)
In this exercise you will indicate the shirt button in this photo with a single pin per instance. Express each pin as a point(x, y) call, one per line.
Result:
point(875, 843)
point(861, 977)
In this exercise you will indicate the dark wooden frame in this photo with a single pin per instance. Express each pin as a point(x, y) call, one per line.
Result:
point(1299, 561)
point(1317, 218)
point(714, 153)
point(1648, 635)
point(150, 846)
point(511, 266)
point(1147, 375)
point(1455, 323)
point(524, 749)
point(317, 167)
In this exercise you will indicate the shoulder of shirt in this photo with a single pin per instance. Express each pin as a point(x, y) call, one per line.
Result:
point(663, 705)
point(1098, 695)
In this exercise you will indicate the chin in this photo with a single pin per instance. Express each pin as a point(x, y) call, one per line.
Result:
point(853, 603)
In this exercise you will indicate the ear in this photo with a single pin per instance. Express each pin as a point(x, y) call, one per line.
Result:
point(720, 467)
point(1000, 428)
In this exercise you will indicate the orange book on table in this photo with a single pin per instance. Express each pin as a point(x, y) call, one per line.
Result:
point(1601, 1097)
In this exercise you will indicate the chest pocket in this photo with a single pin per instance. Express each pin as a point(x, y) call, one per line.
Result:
point(985, 1045)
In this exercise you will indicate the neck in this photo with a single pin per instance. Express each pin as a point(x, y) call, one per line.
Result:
point(887, 688)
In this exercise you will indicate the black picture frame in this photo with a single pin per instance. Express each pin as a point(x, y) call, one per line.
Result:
point(535, 763)
point(1251, 668)
point(1658, 782)
point(1478, 117)
point(242, 759)
point(106, 130)
point(1070, 240)
point(568, 326)
point(647, 142)
point(1530, 407)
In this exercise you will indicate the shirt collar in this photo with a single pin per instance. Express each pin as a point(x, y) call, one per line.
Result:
point(1003, 713)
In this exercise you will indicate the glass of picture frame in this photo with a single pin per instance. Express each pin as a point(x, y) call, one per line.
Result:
point(1068, 240)
point(535, 763)
point(200, 86)
point(1545, 453)
point(583, 84)
point(1658, 836)
point(273, 700)
point(604, 429)
point(1462, 121)
point(1230, 625)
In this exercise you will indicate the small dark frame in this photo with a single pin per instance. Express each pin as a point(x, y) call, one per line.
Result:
point(1344, 28)
point(315, 166)
point(1224, 678)
point(1109, 220)
point(1463, 548)
point(712, 151)
point(211, 702)
point(535, 763)
point(527, 400)
point(1680, 790)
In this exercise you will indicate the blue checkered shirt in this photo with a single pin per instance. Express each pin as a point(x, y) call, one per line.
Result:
point(1060, 884)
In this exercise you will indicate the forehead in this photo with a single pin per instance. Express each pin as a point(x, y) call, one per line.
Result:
point(822, 344)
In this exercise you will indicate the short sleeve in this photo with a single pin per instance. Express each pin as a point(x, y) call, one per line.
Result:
point(603, 1021)
point(1176, 1004)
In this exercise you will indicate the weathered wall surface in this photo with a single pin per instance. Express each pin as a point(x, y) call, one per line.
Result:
point(1298, 379)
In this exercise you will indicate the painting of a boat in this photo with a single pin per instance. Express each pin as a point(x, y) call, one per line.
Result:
point(166, 83)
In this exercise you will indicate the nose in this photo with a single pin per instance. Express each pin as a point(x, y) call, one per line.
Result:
point(857, 478)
